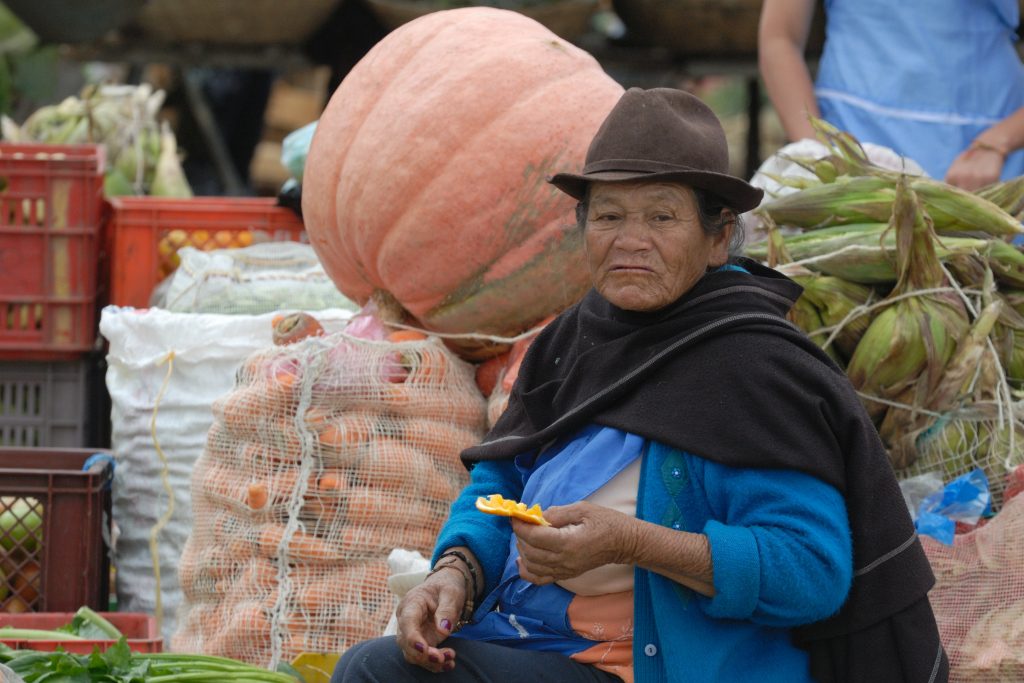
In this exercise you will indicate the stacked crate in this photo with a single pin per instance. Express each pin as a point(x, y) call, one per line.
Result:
point(54, 515)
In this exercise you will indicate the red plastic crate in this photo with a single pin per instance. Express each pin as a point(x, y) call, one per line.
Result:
point(145, 233)
point(139, 630)
point(62, 563)
point(51, 208)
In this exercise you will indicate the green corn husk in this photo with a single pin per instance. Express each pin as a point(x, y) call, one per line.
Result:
point(793, 181)
point(835, 299)
point(1007, 195)
point(806, 316)
point(865, 199)
point(1007, 262)
point(807, 244)
point(805, 313)
point(1008, 338)
point(843, 146)
point(861, 199)
point(850, 252)
point(915, 336)
point(1014, 299)
point(955, 210)
point(826, 169)
point(866, 253)
point(970, 375)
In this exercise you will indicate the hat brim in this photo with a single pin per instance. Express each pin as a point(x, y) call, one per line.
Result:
point(737, 194)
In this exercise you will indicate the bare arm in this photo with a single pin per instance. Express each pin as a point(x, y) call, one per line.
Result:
point(681, 556)
point(982, 162)
point(782, 37)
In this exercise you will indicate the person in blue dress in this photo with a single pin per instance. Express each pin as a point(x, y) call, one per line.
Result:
point(720, 506)
point(938, 81)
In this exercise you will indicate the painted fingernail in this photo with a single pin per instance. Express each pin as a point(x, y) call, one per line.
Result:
point(418, 646)
point(448, 656)
point(434, 659)
point(446, 625)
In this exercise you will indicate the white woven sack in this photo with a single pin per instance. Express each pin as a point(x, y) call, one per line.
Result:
point(164, 372)
point(252, 280)
point(781, 165)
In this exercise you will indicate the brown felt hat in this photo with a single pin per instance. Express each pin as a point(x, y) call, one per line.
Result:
point(661, 134)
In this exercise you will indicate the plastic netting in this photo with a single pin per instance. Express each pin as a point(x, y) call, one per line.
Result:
point(978, 598)
point(261, 278)
point(975, 436)
point(327, 455)
point(165, 370)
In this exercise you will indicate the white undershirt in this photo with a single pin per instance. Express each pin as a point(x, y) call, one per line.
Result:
point(619, 493)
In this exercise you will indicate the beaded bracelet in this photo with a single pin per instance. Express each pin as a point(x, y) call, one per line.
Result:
point(467, 607)
point(469, 565)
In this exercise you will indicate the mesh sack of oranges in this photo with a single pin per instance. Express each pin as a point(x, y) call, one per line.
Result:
point(978, 598)
point(331, 451)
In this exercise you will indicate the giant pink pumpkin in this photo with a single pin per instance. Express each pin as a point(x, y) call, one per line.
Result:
point(426, 176)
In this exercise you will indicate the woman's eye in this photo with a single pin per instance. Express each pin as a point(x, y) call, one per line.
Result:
point(662, 218)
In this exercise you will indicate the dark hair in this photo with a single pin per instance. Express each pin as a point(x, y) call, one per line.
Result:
point(709, 212)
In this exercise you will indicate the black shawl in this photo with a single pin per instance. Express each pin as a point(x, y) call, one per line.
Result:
point(721, 374)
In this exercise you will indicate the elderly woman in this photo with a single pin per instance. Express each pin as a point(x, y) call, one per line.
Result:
point(720, 506)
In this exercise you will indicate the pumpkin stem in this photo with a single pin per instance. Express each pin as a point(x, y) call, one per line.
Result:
point(389, 310)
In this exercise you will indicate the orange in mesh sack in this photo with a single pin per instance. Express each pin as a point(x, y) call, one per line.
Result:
point(978, 598)
point(329, 453)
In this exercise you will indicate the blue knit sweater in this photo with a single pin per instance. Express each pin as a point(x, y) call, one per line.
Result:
point(781, 552)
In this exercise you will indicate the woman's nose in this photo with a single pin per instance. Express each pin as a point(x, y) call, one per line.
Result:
point(634, 230)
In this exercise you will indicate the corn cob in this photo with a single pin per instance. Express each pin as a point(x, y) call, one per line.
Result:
point(1014, 298)
point(970, 375)
point(835, 298)
point(955, 210)
point(866, 253)
point(917, 334)
point(1008, 337)
point(1007, 195)
point(1007, 262)
point(806, 316)
point(861, 199)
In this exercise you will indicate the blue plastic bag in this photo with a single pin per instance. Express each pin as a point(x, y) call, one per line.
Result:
point(295, 148)
point(965, 499)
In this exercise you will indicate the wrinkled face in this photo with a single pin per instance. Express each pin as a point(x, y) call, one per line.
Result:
point(645, 245)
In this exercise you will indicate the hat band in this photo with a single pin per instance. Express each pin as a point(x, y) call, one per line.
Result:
point(637, 166)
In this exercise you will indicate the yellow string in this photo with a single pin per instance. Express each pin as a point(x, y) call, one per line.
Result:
point(166, 481)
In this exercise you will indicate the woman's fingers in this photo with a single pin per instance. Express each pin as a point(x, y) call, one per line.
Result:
point(536, 575)
point(582, 536)
point(450, 603)
point(426, 616)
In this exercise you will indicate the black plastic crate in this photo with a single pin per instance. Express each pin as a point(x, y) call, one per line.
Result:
point(46, 403)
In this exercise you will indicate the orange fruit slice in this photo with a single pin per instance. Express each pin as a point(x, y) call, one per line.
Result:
point(496, 504)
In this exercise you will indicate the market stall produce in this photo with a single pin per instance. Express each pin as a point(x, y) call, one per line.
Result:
point(165, 370)
point(141, 151)
point(329, 452)
point(910, 285)
point(425, 182)
point(978, 598)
